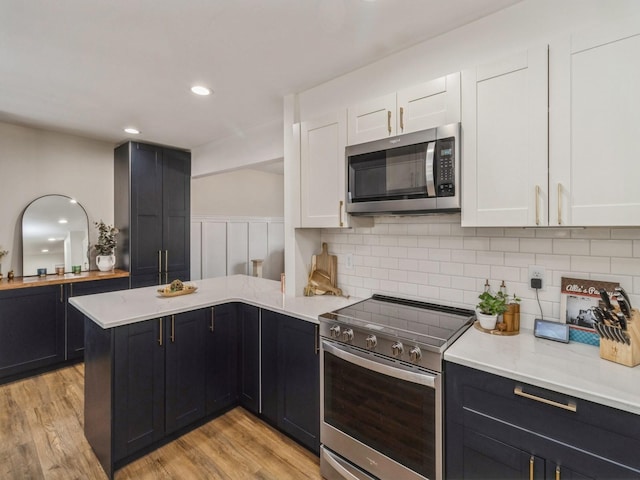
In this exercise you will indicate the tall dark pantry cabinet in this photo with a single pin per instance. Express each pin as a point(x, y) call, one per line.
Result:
point(152, 210)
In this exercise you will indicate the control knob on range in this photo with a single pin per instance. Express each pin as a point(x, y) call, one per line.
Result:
point(415, 354)
point(371, 341)
point(347, 335)
point(397, 349)
point(335, 331)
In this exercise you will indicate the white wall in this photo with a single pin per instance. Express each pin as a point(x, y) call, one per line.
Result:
point(237, 193)
point(37, 162)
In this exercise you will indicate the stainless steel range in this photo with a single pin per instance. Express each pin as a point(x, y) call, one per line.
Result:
point(380, 379)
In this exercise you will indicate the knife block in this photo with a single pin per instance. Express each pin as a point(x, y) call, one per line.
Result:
point(622, 353)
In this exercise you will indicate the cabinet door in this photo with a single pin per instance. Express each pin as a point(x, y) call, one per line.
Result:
point(31, 328)
point(146, 210)
point(221, 364)
point(595, 116)
point(504, 121)
point(372, 120)
point(488, 459)
point(75, 318)
point(429, 105)
point(322, 171)
point(138, 386)
point(176, 208)
point(185, 365)
point(249, 357)
point(299, 380)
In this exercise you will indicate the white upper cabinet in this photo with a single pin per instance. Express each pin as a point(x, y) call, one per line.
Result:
point(504, 130)
point(423, 106)
point(322, 171)
point(594, 175)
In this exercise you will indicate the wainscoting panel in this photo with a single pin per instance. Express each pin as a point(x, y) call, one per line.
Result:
point(226, 245)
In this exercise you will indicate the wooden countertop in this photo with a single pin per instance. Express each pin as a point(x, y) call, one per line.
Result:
point(35, 281)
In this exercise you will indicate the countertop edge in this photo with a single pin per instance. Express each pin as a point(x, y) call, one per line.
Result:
point(530, 359)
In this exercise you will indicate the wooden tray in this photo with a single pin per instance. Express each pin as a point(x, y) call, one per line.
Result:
point(185, 291)
point(495, 331)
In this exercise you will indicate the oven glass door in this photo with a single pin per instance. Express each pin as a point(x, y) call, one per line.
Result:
point(393, 416)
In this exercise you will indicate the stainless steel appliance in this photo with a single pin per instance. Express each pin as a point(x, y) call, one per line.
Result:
point(413, 173)
point(380, 384)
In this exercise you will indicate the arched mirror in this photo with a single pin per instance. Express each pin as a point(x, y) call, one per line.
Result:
point(55, 232)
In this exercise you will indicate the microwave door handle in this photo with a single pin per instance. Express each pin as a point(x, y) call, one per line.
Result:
point(431, 186)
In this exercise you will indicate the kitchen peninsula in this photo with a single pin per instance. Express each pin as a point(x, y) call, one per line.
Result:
point(156, 367)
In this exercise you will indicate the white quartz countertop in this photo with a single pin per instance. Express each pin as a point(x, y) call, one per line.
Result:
point(123, 307)
point(573, 369)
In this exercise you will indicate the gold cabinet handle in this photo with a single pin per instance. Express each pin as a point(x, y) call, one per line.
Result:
point(402, 118)
point(537, 205)
point(531, 463)
point(71, 289)
point(159, 261)
point(160, 336)
point(389, 121)
point(571, 406)
point(173, 329)
point(211, 325)
point(557, 472)
point(559, 204)
point(340, 206)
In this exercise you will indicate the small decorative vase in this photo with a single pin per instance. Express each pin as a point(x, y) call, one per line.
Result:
point(488, 322)
point(105, 262)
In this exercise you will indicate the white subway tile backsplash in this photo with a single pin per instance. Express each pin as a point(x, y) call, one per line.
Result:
point(571, 247)
point(590, 264)
point(536, 245)
point(433, 258)
point(613, 248)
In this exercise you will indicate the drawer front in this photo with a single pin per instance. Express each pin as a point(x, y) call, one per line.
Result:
point(474, 396)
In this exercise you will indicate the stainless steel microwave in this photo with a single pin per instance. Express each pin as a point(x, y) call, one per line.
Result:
point(409, 174)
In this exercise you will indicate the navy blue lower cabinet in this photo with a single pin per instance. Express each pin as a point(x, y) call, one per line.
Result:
point(291, 377)
point(185, 363)
point(249, 357)
point(221, 363)
point(31, 329)
point(493, 432)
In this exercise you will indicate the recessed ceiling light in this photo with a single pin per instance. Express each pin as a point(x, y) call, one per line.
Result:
point(63, 220)
point(132, 131)
point(44, 250)
point(51, 239)
point(200, 90)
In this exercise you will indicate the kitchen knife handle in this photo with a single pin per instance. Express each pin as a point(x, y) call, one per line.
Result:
point(537, 205)
point(340, 205)
point(559, 204)
point(389, 121)
point(402, 118)
point(571, 406)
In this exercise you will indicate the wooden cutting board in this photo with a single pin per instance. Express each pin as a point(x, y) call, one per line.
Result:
point(326, 263)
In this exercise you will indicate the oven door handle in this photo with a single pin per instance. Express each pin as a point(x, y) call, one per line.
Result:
point(341, 470)
point(420, 378)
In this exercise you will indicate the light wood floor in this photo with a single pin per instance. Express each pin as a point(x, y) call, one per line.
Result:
point(41, 437)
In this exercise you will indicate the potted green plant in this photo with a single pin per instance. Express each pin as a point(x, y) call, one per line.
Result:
point(106, 246)
point(491, 305)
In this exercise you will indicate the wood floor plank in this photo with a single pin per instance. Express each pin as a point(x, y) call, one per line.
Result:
point(42, 437)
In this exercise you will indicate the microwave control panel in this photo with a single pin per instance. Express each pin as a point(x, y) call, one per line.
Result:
point(444, 166)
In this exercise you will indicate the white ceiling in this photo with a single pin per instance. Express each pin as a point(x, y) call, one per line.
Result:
point(93, 67)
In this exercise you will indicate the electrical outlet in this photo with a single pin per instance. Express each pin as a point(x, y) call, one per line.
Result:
point(349, 261)
point(536, 273)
